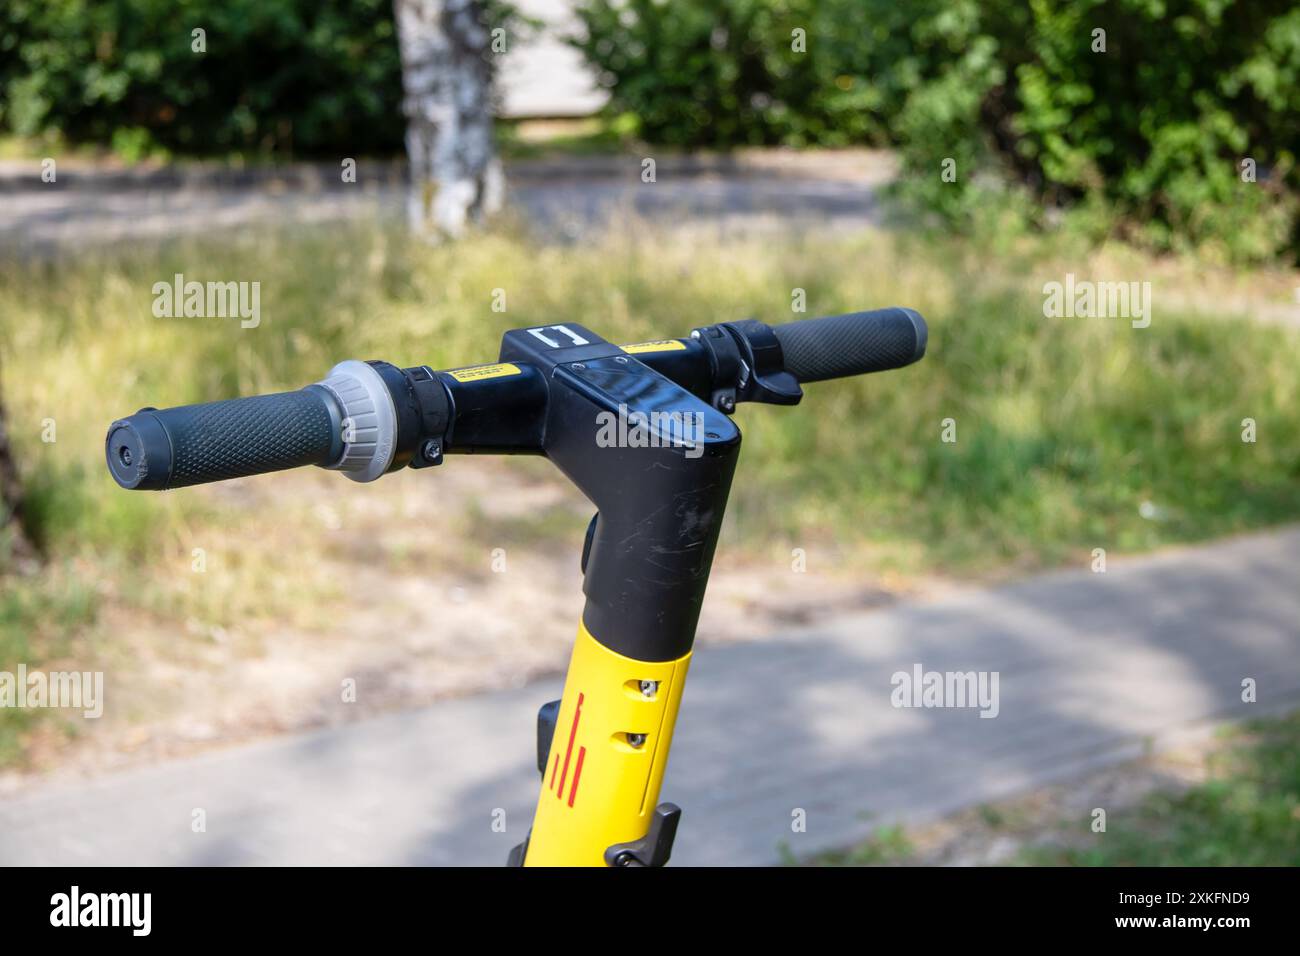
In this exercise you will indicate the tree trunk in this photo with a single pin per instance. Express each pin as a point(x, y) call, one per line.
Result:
point(456, 178)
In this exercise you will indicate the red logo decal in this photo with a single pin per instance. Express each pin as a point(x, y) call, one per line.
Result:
point(568, 755)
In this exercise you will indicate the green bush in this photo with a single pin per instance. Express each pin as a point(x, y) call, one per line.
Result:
point(303, 77)
point(1146, 138)
point(731, 73)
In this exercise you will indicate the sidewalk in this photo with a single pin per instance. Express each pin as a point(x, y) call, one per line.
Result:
point(1093, 667)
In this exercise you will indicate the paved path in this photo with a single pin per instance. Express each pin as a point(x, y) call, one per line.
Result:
point(563, 200)
point(1091, 666)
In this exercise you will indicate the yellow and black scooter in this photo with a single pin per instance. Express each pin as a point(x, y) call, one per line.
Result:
point(643, 430)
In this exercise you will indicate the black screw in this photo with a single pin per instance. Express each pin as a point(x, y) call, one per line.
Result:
point(431, 450)
point(124, 455)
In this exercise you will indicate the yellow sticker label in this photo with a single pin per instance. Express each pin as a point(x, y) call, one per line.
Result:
point(663, 345)
point(480, 372)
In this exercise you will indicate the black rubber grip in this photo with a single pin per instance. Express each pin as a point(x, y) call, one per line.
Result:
point(818, 349)
point(193, 444)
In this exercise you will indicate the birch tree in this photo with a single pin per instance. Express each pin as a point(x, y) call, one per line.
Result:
point(456, 178)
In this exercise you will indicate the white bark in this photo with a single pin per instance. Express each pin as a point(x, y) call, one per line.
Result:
point(456, 178)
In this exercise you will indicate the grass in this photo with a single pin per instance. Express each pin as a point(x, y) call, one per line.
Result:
point(516, 140)
point(1071, 434)
point(887, 846)
point(545, 139)
point(37, 621)
point(1246, 814)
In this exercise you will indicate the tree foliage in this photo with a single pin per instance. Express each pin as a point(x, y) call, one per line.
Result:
point(277, 77)
point(1141, 116)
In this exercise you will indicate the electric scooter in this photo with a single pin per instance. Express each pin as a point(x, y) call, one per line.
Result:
point(644, 432)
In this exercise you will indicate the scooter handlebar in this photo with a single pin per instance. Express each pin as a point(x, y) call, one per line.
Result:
point(840, 345)
point(367, 418)
point(191, 444)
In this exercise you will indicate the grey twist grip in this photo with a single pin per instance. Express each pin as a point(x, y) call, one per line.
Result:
point(192, 444)
point(818, 349)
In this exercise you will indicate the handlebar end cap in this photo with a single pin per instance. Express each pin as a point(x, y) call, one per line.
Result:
point(139, 452)
point(922, 333)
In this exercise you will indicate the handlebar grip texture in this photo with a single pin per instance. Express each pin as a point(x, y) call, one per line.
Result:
point(192, 444)
point(818, 349)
